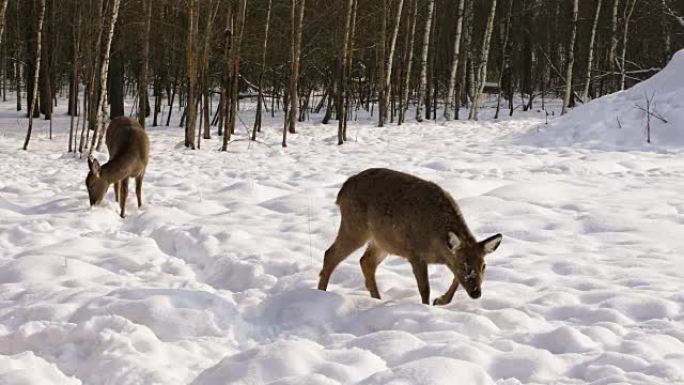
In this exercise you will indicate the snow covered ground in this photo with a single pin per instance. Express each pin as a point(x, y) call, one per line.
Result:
point(620, 120)
point(213, 280)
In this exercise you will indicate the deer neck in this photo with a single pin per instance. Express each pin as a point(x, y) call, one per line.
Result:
point(116, 169)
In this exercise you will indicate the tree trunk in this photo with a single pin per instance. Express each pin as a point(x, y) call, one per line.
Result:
point(422, 85)
point(104, 70)
point(260, 96)
point(116, 87)
point(590, 54)
point(389, 60)
point(451, 101)
point(343, 73)
point(143, 102)
point(73, 100)
point(482, 67)
point(36, 72)
point(381, 56)
point(629, 9)
point(409, 61)
point(613, 46)
point(571, 58)
point(228, 75)
point(190, 59)
point(504, 62)
point(297, 26)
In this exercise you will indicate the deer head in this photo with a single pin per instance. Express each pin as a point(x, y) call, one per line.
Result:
point(468, 261)
point(97, 187)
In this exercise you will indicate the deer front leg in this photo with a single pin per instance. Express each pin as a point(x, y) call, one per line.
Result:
point(117, 186)
point(446, 298)
point(420, 271)
point(123, 196)
point(138, 189)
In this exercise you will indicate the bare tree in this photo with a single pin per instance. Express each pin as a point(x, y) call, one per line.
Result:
point(590, 54)
point(260, 96)
point(410, 40)
point(571, 58)
point(143, 104)
point(104, 71)
point(451, 87)
point(190, 61)
point(613, 45)
point(297, 26)
point(32, 106)
point(389, 60)
point(422, 85)
point(629, 10)
point(481, 77)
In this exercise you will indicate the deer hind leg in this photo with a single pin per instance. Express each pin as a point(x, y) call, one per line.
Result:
point(369, 263)
point(347, 242)
point(446, 298)
point(117, 186)
point(420, 271)
point(123, 196)
point(138, 188)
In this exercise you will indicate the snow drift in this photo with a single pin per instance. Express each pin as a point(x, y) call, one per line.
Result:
point(619, 120)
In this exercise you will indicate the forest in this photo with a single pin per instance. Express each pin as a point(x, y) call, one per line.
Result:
point(203, 57)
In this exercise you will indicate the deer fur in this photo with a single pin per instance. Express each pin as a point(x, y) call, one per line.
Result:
point(129, 149)
point(397, 213)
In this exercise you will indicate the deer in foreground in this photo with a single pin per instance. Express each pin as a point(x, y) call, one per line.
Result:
point(129, 149)
point(397, 213)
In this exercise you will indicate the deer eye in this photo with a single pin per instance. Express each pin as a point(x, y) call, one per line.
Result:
point(484, 267)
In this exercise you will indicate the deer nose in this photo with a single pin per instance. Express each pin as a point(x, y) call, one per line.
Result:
point(476, 293)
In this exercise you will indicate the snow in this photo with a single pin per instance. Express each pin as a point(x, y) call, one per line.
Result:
point(213, 280)
point(619, 120)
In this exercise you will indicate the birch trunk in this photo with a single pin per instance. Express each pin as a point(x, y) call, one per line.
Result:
point(422, 85)
point(143, 104)
point(104, 71)
point(451, 87)
point(390, 58)
point(32, 105)
point(341, 94)
point(590, 55)
point(482, 67)
point(297, 26)
point(409, 61)
point(504, 48)
point(613, 46)
point(571, 58)
point(260, 96)
point(629, 9)
point(381, 55)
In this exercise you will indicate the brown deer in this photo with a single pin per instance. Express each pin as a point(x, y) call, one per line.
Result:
point(129, 149)
point(397, 213)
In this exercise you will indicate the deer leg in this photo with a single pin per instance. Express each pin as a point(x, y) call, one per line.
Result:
point(123, 196)
point(369, 263)
point(446, 298)
point(138, 189)
point(420, 271)
point(344, 245)
point(116, 191)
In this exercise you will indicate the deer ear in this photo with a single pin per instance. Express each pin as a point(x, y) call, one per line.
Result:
point(492, 243)
point(94, 166)
point(454, 242)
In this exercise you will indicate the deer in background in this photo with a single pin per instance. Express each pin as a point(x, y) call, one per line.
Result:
point(129, 149)
point(397, 213)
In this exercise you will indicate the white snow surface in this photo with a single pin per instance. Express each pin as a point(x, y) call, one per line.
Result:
point(618, 121)
point(213, 280)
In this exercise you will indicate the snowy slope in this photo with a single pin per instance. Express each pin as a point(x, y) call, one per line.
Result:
point(212, 280)
point(619, 121)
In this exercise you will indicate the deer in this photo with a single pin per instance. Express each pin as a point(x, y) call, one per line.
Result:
point(129, 149)
point(400, 214)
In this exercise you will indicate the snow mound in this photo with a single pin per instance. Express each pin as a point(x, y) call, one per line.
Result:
point(619, 120)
